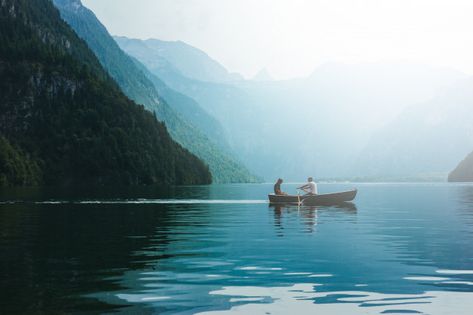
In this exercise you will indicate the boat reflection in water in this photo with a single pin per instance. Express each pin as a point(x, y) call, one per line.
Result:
point(307, 214)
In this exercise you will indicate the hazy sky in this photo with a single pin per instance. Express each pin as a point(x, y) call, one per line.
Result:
point(291, 37)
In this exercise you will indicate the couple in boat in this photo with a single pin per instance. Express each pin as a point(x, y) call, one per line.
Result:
point(310, 188)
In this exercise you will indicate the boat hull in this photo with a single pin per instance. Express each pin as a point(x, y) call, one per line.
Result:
point(286, 199)
point(330, 199)
point(322, 199)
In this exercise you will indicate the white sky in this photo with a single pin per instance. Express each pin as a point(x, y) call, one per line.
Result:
point(292, 37)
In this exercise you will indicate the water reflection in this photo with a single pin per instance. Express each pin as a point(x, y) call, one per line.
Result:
point(401, 249)
point(308, 215)
point(99, 193)
point(465, 194)
point(53, 257)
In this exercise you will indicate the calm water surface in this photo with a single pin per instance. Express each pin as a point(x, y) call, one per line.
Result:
point(399, 249)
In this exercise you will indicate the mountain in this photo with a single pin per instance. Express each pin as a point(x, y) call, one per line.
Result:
point(263, 75)
point(200, 90)
point(321, 125)
point(191, 62)
point(188, 123)
point(426, 138)
point(189, 110)
point(16, 167)
point(464, 171)
point(131, 78)
point(223, 101)
point(65, 121)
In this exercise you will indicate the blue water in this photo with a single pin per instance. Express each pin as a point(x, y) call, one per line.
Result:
point(399, 249)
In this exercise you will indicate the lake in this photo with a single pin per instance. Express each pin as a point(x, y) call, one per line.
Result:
point(399, 249)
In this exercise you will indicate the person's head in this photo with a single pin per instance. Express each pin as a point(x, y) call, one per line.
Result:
point(280, 180)
point(310, 179)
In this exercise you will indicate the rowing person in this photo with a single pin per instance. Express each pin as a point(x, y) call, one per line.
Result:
point(310, 188)
point(277, 188)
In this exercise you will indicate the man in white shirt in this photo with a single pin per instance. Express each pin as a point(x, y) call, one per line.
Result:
point(310, 188)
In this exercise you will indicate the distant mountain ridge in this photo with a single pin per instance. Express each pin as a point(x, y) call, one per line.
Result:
point(187, 122)
point(262, 75)
point(191, 62)
point(317, 125)
point(430, 137)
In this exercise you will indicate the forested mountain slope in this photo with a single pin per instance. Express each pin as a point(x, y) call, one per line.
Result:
point(66, 120)
point(188, 124)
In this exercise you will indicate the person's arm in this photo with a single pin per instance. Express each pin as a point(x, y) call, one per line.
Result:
point(303, 186)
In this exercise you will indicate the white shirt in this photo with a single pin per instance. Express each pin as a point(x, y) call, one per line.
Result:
point(312, 188)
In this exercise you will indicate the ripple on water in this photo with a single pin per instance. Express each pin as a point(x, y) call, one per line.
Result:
point(455, 272)
point(229, 251)
point(304, 299)
point(425, 278)
point(139, 201)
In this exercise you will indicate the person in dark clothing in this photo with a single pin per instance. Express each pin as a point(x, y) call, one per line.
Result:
point(277, 188)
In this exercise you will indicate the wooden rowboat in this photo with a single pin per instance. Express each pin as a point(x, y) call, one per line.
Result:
point(313, 200)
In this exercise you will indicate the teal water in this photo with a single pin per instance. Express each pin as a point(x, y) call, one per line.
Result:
point(399, 249)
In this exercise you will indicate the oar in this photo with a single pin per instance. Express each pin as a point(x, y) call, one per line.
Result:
point(298, 198)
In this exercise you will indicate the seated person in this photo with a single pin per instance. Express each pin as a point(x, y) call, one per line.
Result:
point(310, 188)
point(277, 188)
